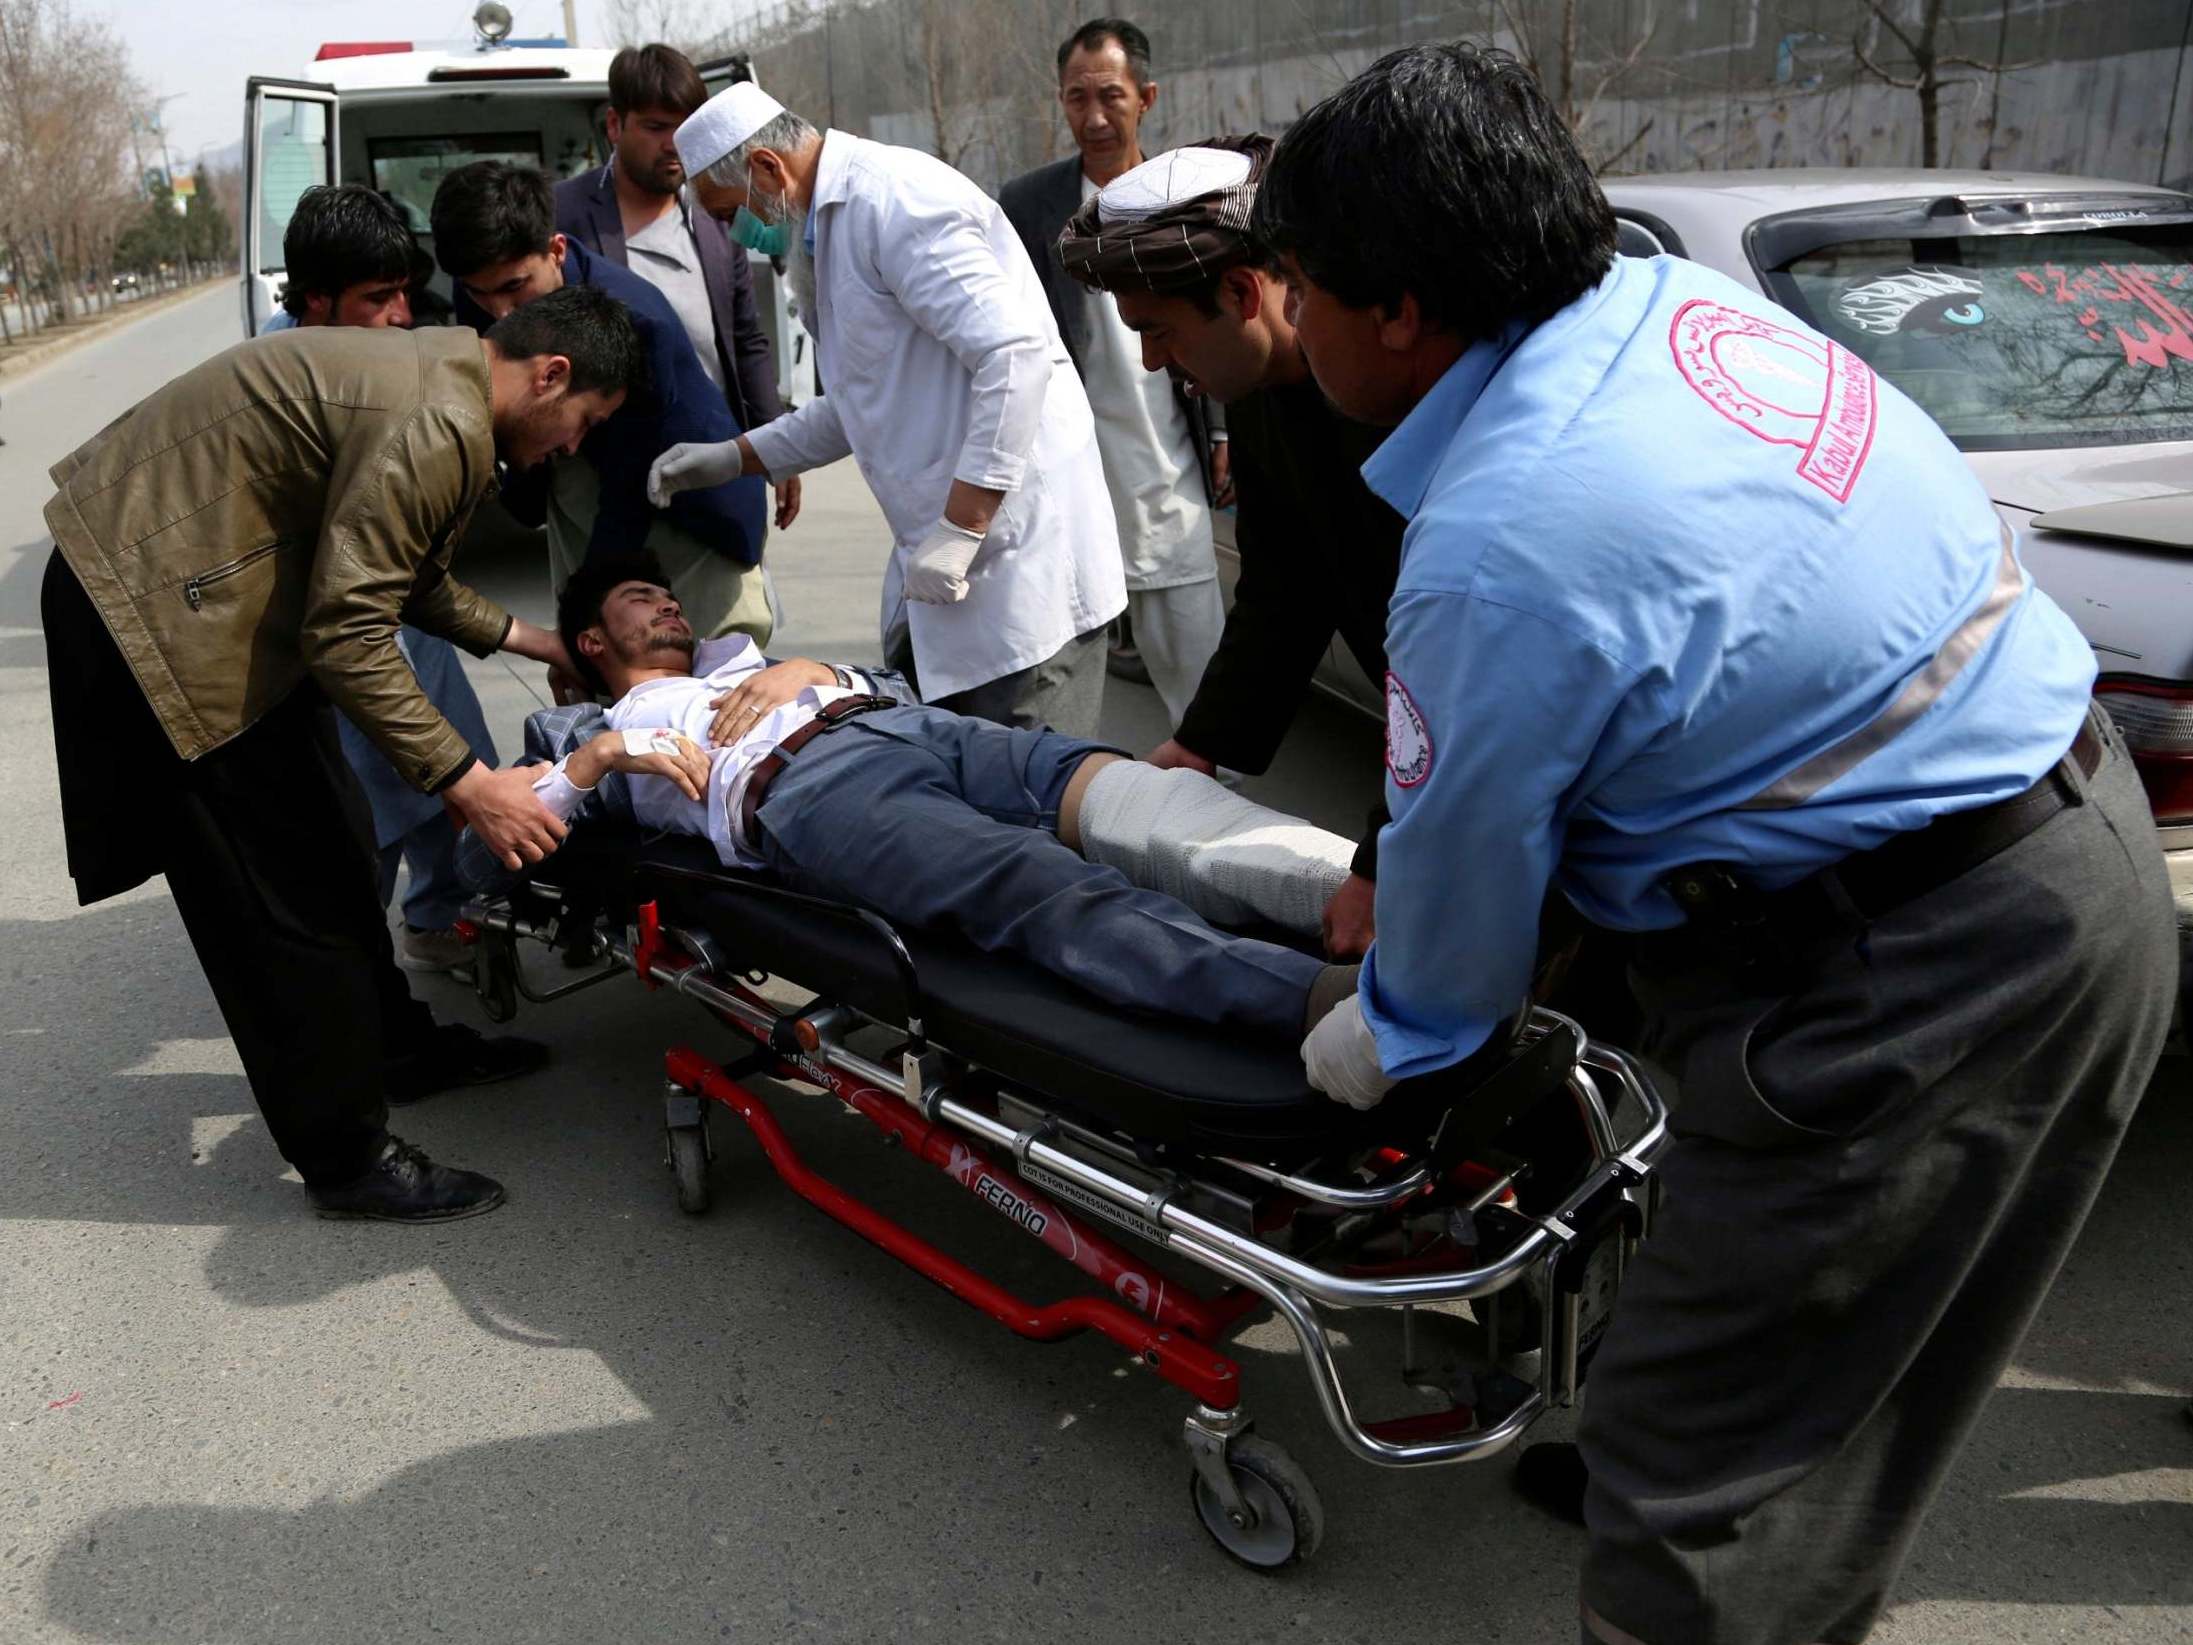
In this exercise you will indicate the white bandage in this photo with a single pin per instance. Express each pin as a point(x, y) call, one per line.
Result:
point(637, 743)
point(1229, 859)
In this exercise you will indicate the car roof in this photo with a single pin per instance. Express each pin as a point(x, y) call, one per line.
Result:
point(1794, 188)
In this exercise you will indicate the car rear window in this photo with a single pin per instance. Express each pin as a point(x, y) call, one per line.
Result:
point(2013, 341)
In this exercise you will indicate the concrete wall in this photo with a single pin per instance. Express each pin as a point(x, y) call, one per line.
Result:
point(1658, 85)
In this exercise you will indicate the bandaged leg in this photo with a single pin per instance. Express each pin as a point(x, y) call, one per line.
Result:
point(1229, 859)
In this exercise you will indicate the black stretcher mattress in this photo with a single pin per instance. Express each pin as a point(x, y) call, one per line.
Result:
point(1165, 1081)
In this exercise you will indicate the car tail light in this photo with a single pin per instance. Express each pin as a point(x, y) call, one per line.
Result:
point(359, 48)
point(2156, 722)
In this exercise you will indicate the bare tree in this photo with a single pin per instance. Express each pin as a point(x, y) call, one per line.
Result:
point(65, 95)
point(1577, 71)
point(643, 22)
point(1921, 41)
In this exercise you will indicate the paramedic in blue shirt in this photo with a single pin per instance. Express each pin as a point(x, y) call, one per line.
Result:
point(495, 236)
point(1708, 629)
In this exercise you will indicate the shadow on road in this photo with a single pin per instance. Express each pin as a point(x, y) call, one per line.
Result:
point(787, 1371)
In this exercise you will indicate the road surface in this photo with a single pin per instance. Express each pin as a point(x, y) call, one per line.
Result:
point(588, 1418)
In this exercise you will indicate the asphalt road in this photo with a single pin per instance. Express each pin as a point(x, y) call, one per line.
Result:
point(588, 1418)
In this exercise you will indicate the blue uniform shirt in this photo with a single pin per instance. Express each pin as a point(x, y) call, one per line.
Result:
point(682, 405)
point(1682, 582)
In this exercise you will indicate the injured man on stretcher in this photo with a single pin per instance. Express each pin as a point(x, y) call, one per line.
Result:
point(1100, 868)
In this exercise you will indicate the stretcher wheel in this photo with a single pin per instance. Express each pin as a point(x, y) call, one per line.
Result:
point(495, 980)
point(689, 1163)
point(1290, 1519)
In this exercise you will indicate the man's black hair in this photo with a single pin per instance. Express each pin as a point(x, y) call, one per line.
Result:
point(1441, 171)
point(579, 605)
point(343, 235)
point(586, 326)
point(654, 77)
point(490, 212)
point(1092, 35)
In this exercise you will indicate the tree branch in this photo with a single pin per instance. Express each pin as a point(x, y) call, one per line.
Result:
point(1880, 14)
point(1866, 62)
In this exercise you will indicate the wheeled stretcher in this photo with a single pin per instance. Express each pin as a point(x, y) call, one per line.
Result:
point(1136, 1147)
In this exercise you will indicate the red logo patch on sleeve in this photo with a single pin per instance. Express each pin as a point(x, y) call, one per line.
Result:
point(1408, 739)
point(1782, 386)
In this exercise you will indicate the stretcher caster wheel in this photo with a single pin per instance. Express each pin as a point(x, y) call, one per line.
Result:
point(495, 980)
point(689, 1163)
point(1284, 1521)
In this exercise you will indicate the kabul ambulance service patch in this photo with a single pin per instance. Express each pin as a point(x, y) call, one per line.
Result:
point(1408, 740)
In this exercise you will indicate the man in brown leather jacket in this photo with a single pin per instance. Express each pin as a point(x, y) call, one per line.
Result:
point(234, 554)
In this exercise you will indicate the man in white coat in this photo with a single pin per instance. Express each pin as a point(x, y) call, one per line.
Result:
point(946, 381)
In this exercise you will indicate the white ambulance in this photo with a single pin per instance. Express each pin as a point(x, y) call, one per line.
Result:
point(400, 116)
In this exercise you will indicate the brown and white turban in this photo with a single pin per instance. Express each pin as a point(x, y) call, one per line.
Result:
point(1172, 224)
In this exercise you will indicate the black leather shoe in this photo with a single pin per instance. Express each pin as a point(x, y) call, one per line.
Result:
point(454, 1055)
point(403, 1185)
point(1551, 1476)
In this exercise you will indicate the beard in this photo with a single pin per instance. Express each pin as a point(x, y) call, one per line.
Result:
point(669, 642)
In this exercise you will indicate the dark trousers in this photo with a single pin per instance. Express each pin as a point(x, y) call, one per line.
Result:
point(267, 849)
point(1063, 693)
point(933, 818)
point(1885, 1147)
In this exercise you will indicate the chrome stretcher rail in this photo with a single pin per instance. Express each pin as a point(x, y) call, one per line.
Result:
point(1576, 1248)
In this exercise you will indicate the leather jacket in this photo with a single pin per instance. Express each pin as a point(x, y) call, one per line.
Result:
point(276, 513)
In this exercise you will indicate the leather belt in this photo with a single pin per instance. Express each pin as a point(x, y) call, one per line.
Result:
point(1716, 899)
point(827, 719)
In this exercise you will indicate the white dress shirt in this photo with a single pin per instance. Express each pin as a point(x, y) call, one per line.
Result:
point(942, 362)
point(682, 705)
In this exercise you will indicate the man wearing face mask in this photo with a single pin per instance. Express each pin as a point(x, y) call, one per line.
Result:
point(949, 385)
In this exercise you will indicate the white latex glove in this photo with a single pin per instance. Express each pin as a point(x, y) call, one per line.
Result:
point(687, 467)
point(936, 571)
point(1341, 1057)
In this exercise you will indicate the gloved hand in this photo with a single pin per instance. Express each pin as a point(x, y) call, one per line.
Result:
point(936, 571)
point(1341, 1057)
point(688, 467)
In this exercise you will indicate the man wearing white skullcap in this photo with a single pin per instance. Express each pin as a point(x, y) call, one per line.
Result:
point(1319, 553)
point(949, 385)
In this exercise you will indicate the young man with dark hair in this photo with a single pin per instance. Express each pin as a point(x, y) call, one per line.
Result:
point(234, 555)
point(840, 784)
point(1707, 627)
point(1318, 551)
point(495, 234)
point(638, 213)
point(348, 259)
point(1161, 464)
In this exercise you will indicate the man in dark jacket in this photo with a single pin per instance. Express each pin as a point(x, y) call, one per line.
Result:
point(1165, 456)
point(636, 212)
point(1319, 553)
point(234, 554)
point(495, 236)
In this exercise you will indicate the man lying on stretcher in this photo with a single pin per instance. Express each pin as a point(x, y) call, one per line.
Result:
point(1024, 841)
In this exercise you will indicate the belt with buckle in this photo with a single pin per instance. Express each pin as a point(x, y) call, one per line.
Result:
point(827, 719)
point(1716, 899)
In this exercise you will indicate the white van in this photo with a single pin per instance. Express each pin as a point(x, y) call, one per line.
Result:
point(399, 117)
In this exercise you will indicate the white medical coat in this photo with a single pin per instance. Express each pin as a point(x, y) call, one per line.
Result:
point(940, 361)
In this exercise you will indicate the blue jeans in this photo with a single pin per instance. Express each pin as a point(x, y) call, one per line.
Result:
point(436, 895)
point(932, 818)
